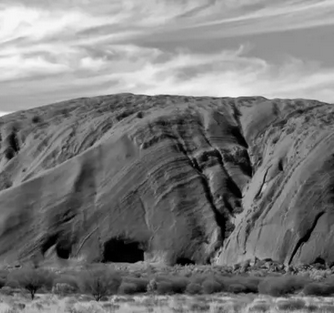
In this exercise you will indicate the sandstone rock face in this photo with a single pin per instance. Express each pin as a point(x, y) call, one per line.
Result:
point(169, 179)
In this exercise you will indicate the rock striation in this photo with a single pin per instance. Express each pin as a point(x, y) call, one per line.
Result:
point(169, 179)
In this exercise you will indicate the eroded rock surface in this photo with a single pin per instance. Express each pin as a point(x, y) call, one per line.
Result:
point(169, 179)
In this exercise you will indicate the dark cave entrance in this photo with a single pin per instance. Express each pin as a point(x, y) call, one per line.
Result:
point(184, 262)
point(63, 248)
point(121, 251)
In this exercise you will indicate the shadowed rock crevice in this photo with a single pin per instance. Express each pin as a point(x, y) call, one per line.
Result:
point(306, 237)
point(184, 261)
point(62, 247)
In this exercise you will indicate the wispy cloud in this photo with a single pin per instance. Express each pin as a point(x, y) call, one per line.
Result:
point(71, 48)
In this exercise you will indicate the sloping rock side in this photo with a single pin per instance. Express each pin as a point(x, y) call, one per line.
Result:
point(169, 179)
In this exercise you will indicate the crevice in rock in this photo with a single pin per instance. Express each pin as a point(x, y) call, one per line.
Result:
point(184, 261)
point(264, 180)
point(235, 131)
point(48, 242)
point(85, 240)
point(63, 247)
point(220, 220)
point(13, 142)
point(306, 237)
point(232, 186)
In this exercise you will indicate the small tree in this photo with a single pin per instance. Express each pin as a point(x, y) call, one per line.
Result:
point(101, 282)
point(32, 279)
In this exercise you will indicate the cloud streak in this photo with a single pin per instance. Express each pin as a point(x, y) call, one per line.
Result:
point(50, 52)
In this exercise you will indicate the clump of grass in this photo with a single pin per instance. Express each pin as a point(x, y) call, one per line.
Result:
point(292, 305)
point(280, 286)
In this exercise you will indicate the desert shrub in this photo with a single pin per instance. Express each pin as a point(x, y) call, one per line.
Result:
point(234, 284)
point(175, 284)
point(200, 278)
point(318, 289)
point(199, 307)
point(132, 285)
point(250, 283)
point(212, 286)
point(100, 283)
point(164, 288)
point(128, 288)
point(36, 119)
point(260, 308)
point(237, 288)
point(68, 280)
point(291, 305)
point(30, 279)
point(279, 286)
point(326, 309)
point(312, 308)
point(194, 289)
point(179, 285)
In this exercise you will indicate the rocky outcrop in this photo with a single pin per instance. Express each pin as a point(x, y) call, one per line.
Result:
point(168, 179)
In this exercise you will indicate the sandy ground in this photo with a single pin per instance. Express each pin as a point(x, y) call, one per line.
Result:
point(219, 303)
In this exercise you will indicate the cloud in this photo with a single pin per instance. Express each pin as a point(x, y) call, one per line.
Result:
point(57, 50)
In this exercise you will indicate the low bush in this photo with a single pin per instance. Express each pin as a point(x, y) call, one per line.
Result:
point(260, 308)
point(36, 119)
point(326, 309)
point(127, 288)
point(100, 283)
point(250, 283)
point(171, 284)
point(70, 280)
point(279, 286)
point(318, 289)
point(212, 286)
point(291, 305)
point(164, 288)
point(200, 278)
point(140, 283)
point(199, 307)
point(194, 289)
point(237, 288)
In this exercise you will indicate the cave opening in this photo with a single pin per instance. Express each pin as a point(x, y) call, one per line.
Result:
point(121, 251)
point(320, 261)
point(63, 250)
point(184, 261)
point(62, 247)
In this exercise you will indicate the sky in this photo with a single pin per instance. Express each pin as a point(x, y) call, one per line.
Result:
point(52, 51)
